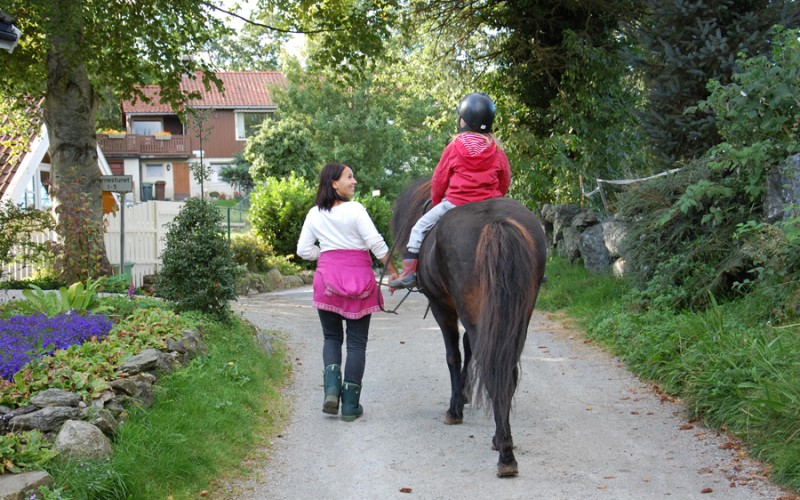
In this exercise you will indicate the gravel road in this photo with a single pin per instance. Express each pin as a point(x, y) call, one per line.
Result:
point(583, 426)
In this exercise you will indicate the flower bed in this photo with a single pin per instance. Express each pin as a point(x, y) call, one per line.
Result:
point(23, 338)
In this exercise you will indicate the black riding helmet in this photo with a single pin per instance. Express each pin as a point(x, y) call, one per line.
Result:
point(478, 111)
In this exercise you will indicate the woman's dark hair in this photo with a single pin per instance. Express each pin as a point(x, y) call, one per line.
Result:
point(326, 195)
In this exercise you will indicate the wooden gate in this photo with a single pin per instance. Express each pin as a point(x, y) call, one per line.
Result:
point(144, 236)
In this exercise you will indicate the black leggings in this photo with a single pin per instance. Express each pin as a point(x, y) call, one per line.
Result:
point(357, 332)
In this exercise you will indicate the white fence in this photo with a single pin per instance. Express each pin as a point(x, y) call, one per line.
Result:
point(144, 239)
point(144, 236)
point(21, 270)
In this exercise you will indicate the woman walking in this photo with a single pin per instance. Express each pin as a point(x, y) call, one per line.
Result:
point(345, 291)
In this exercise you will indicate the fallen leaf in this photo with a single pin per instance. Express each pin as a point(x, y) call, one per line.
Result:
point(707, 490)
point(204, 493)
point(686, 427)
point(602, 487)
point(402, 341)
point(405, 490)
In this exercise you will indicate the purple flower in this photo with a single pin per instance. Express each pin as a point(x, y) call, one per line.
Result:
point(23, 338)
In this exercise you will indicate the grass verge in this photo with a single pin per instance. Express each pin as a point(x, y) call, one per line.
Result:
point(728, 364)
point(206, 420)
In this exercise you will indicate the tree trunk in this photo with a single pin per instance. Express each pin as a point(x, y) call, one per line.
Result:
point(70, 116)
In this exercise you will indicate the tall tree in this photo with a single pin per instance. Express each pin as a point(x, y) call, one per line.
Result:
point(689, 42)
point(377, 128)
point(71, 48)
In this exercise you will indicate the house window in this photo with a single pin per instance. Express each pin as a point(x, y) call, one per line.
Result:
point(248, 124)
point(147, 127)
point(215, 169)
point(154, 170)
point(37, 188)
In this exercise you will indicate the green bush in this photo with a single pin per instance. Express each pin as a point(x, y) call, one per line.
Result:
point(250, 251)
point(680, 245)
point(380, 210)
point(198, 271)
point(279, 207)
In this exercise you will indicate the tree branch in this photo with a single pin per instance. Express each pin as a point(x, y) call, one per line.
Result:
point(273, 28)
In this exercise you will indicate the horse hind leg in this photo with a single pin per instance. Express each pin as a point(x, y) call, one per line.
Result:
point(466, 382)
point(502, 440)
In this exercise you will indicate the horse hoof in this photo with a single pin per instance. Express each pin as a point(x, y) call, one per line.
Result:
point(507, 470)
point(451, 420)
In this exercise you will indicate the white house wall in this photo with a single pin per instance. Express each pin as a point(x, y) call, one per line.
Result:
point(31, 167)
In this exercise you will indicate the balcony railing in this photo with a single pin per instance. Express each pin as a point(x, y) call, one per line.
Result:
point(144, 145)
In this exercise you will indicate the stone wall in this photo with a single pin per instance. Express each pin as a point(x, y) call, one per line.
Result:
point(578, 234)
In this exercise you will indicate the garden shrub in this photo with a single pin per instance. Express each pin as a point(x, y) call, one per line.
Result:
point(380, 210)
point(250, 251)
point(198, 271)
point(278, 209)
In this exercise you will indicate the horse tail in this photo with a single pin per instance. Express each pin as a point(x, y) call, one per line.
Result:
point(509, 268)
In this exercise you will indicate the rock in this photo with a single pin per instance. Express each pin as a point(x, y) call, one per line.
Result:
point(593, 250)
point(307, 277)
point(103, 419)
point(584, 218)
point(618, 268)
point(138, 387)
point(79, 439)
point(265, 342)
point(55, 397)
point(291, 281)
point(569, 246)
point(23, 486)
point(192, 341)
point(613, 236)
point(563, 218)
point(101, 400)
point(274, 279)
point(783, 191)
point(149, 360)
point(4, 410)
point(47, 419)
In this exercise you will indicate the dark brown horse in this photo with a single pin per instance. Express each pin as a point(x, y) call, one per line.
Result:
point(482, 264)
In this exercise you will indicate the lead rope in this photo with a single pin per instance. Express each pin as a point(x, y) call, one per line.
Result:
point(408, 290)
point(380, 283)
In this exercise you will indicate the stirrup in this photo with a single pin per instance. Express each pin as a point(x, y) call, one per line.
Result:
point(407, 281)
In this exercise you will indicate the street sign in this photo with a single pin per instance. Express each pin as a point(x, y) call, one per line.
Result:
point(117, 183)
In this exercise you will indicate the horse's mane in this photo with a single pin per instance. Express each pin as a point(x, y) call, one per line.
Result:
point(408, 208)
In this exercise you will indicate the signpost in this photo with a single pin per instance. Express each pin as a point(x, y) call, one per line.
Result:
point(120, 184)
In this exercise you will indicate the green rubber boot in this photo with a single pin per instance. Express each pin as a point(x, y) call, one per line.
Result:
point(333, 389)
point(351, 410)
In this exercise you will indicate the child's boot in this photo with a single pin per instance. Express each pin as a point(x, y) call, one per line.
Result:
point(408, 276)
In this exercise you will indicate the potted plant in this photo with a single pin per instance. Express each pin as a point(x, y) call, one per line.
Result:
point(162, 136)
point(114, 134)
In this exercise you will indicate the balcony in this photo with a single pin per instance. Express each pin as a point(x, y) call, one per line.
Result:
point(145, 146)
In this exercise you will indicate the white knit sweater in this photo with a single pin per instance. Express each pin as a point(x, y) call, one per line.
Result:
point(347, 226)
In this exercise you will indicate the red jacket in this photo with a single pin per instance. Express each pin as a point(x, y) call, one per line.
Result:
point(470, 170)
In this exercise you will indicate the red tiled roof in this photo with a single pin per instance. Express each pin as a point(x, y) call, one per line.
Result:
point(10, 163)
point(240, 89)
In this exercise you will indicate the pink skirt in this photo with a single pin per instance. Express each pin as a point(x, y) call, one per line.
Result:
point(344, 283)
